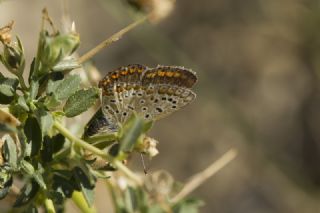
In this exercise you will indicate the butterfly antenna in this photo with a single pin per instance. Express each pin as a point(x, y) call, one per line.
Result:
point(143, 164)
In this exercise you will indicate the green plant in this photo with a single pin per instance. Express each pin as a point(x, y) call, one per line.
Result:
point(42, 154)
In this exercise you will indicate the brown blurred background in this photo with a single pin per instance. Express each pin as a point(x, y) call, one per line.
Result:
point(258, 91)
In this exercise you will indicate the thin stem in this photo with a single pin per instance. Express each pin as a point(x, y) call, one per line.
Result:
point(97, 151)
point(22, 82)
point(110, 40)
point(201, 177)
point(81, 203)
point(101, 138)
point(49, 206)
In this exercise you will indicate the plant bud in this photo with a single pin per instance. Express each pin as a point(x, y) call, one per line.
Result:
point(59, 47)
point(148, 146)
point(13, 57)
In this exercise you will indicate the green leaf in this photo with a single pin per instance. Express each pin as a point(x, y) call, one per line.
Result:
point(52, 101)
point(65, 87)
point(33, 134)
point(25, 147)
point(131, 131)
point(66, 65)
point(61, 182)
point(51, 145)
point(58, 142)
point(36, 174)
point(34, 87)
point(188, 205)
point(45, 119)
point(53, 49)
point(60, 46)
point(8, 88)
point(27, 167)
point(8, 85)
point(28, 192)
point(85, 184)
point(80, 102)
point(47, 150)
point(22, 103)
point(18, 111)
point(147, 126)
point(10, 151)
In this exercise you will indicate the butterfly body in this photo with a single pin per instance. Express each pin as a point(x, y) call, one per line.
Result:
point(152, 93)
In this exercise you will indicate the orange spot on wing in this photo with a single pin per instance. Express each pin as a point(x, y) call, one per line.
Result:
point(169, 74)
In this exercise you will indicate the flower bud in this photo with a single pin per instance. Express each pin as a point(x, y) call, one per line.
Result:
point(59, 47)
point(148, 146)
point(13, 57)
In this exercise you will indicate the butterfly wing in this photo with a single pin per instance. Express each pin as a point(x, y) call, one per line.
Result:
point(166, 89)
point(120, 88)
point(153, 93)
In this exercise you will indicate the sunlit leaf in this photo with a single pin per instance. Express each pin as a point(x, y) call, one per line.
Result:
point(65, 87)
point(80, 101)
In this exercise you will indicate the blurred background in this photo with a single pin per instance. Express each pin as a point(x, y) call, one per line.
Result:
point(258, 90)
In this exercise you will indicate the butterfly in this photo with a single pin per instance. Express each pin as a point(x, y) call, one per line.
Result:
point(152, 93)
